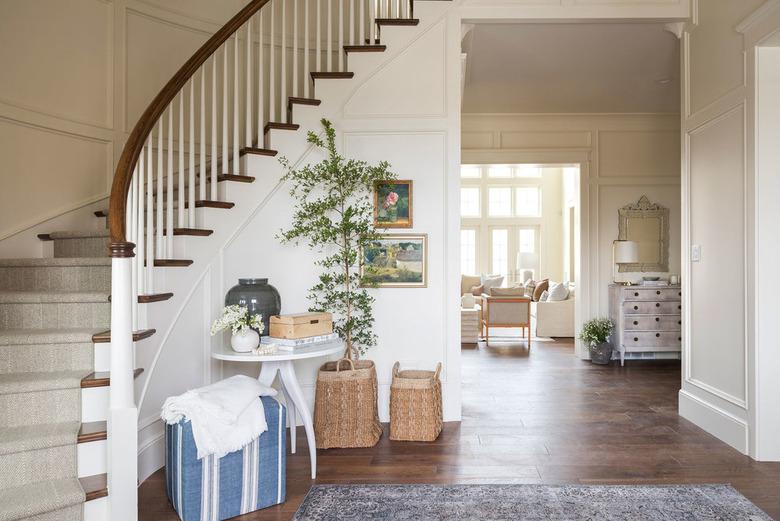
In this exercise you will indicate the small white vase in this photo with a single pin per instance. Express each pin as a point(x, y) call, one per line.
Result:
point(244, 341)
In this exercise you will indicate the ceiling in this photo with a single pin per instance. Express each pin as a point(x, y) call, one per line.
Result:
point(571, 68)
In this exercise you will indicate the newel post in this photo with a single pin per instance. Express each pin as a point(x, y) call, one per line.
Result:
point(123, 414)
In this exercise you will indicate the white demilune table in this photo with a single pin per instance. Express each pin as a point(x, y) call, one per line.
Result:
point(282, 362)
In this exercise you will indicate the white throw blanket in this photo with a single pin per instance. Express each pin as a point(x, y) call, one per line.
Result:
point(226, 416)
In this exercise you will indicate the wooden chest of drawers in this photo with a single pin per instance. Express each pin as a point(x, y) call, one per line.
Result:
point(647, 318)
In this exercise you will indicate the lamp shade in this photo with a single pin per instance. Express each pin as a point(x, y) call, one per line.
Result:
point(625, 252)
point(526, 260)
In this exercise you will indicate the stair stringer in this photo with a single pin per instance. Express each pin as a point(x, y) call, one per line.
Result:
point(202, 286)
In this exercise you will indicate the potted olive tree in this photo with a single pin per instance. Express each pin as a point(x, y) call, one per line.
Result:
point(595, 333)
point(333, 214)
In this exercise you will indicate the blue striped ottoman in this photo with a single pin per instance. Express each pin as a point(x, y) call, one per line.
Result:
point(212, 489)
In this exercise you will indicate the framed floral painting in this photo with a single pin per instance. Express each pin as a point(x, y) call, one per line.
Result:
point(396, 261)
point(393, 204)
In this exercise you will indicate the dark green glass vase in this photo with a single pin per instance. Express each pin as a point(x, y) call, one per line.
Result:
point(258, 296)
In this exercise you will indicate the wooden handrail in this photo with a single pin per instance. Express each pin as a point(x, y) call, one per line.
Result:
point(135, 143)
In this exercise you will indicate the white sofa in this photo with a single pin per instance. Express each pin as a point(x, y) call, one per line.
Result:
point(554, 319)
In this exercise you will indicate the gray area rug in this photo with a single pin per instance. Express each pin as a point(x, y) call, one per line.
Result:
point(527, 502)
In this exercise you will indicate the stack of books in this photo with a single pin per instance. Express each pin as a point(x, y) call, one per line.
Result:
point(291, 344)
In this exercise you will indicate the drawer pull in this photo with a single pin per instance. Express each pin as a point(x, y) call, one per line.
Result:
point(657, 319)
point(636, 307)
point(679, 339)
point(657, 335)
point(679, 307)
point(658, 292)
point(679, 322)
point(679, 294)
point(636, 339)
point(636, 323)
point(636, 294)
point(658, 304)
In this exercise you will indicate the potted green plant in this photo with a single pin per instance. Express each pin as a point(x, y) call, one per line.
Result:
point(595, 333)
point(334, 214)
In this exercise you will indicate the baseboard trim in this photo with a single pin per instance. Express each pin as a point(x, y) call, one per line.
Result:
point(151, 457)
point(718, 422)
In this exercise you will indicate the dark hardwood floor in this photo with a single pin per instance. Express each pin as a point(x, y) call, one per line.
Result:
point(538, 417)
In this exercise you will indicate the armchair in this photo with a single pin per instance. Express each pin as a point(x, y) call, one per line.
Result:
point(506, 311)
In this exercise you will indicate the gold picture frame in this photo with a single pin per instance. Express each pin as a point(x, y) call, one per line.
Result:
point(393, 204)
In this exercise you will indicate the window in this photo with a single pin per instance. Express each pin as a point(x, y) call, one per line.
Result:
point(527, 201)
point(500, 252)
point(470, 171)
point(500, 202)
point(468, 251)
point(469, 202)
point(500, 171)
point(526, 240)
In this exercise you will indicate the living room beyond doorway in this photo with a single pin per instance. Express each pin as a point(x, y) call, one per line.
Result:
point(519, 252)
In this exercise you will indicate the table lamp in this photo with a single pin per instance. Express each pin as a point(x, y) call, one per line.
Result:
point(623, 252)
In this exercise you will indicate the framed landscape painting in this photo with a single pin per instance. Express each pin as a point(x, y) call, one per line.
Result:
point(396, 261)
point(393, 204)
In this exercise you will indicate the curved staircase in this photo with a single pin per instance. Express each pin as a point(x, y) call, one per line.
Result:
point(69, 323)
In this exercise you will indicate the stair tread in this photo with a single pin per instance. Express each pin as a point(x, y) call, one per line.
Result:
point(54, 262)
point(104, 337)
point(53, 296)
point(365, 48)
point(39, 498)
point(94, 486)
point(80, 335)
point(397, 21)
point(92, 431)
point(103, 378)
point(79, 234)
point(35, 437)
point(17, 383)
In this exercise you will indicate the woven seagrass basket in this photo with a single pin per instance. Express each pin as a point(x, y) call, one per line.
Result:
point(346, 414)
point(415, 405)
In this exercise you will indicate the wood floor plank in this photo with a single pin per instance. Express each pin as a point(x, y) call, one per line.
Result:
point(543, 417)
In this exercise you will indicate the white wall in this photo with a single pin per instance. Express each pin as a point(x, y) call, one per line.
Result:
point(730, 363)
point(623, 158)
point(74, 77)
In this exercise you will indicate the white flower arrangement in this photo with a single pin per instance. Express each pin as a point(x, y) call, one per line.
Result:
point(237, 319)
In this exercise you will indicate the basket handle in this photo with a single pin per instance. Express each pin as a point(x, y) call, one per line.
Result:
point(437, 372)
point(351, 364)
point(396, 366)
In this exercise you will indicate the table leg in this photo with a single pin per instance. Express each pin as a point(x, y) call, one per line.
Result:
point(268, 373)
point(291, 417)
point(290, 382)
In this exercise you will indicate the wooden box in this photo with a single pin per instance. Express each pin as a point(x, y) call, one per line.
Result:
point(301, 325)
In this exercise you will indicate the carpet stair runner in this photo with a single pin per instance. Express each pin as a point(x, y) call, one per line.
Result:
point(50, 308)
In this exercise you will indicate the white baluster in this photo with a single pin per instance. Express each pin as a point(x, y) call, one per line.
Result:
point(191, 174)
point(272, 66)
point(306, 70)
point(236, 113)
point(372, 28)
point(160, 193)
point(202, 137)
point(329, 34)
point(362, 24)
point(132, 223)
point(249, 43)
point(149, 217)
point(351, 22)
point(169, 191)
point(181, 159)
point(295, 91)
point(214, 139)
point(260, 84)
point(340, 49)
point(318, 37)
point(139, 227)
point(225, 129)
point(283, 73)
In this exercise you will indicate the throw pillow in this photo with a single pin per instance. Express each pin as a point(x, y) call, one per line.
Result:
point(530, 285)
point(515, 291)
point(467, 282)
point(558, 292)
point(541, 288)
point(491, 281)
point(545, 296)
point(478, 290)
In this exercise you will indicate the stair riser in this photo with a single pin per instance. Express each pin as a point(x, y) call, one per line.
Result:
point(56, 278)
point(39, 407)
point(26, 467)
point(46, 357)
point(82, 247)
point(52, 315)
point(92, 458)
